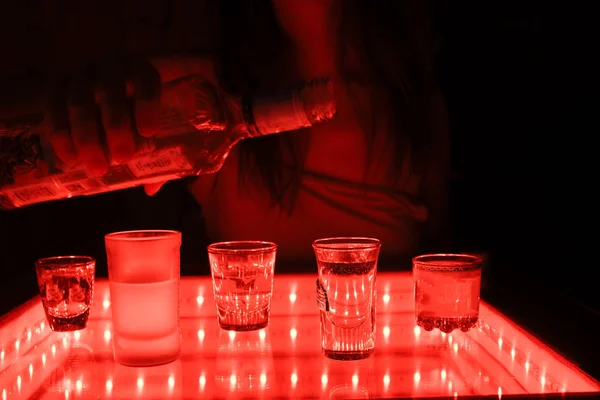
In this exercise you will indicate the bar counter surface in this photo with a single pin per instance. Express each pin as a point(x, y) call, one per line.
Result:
point(496, 359)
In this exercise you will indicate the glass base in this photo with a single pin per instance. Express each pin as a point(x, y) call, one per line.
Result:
point(68, 324)
point(243, 328)
point(243, 321)
point(348, 355)
point(447, 325)
point(132, 352)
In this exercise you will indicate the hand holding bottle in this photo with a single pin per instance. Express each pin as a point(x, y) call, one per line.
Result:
point(95, 115)
point(130, 124)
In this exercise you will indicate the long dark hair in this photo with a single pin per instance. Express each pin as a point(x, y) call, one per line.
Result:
point(395, 44)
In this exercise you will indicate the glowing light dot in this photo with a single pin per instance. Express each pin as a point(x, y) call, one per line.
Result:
point(386, 298)
point(417, 331)
point(140, 383)
point(386, 331)
point(106, 303)
point(171, 382)
point(417, 377)
point(200, 300)
point(109, 386)
point(293, 298)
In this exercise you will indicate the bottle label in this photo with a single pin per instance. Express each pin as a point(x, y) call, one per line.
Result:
point(35, 193)
point(159, 162)
point(162, 165)
point(55, 186)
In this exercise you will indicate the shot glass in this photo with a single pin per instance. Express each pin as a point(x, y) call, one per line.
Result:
point(143, 273)
point(66, 287)
point(346, 295)
point(242, 275)
point(447, 290)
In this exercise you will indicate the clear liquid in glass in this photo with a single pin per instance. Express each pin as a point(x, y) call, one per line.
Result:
point(145, 322)
point(66, 296)
point(346, 295)
point(243, 295)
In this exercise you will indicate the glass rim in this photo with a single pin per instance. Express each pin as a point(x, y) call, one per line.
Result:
point(71, 261)
point(464, 261)
point(253, 246)
point(144, 235)
point(340, 243)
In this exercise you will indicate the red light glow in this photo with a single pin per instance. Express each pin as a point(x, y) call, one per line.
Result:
point(496, 358)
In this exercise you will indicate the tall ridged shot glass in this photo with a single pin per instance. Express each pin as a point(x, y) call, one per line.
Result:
point(346, 295)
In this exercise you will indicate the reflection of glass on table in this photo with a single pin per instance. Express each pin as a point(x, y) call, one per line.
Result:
point(244, 362)
point(496, 356)
point(66, 287)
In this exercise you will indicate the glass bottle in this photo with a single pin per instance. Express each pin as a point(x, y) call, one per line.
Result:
point(199, 125)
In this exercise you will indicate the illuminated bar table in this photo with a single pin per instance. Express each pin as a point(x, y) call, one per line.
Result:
point(496, 359)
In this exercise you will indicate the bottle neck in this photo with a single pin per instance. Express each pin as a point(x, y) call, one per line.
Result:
point(313, 102)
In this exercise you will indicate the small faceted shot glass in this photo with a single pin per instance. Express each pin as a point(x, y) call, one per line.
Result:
point(346, 295)
point(242, 275)
point(66, 286)
point(447, 289)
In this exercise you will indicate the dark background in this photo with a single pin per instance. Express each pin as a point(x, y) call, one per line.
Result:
point(522, 190)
